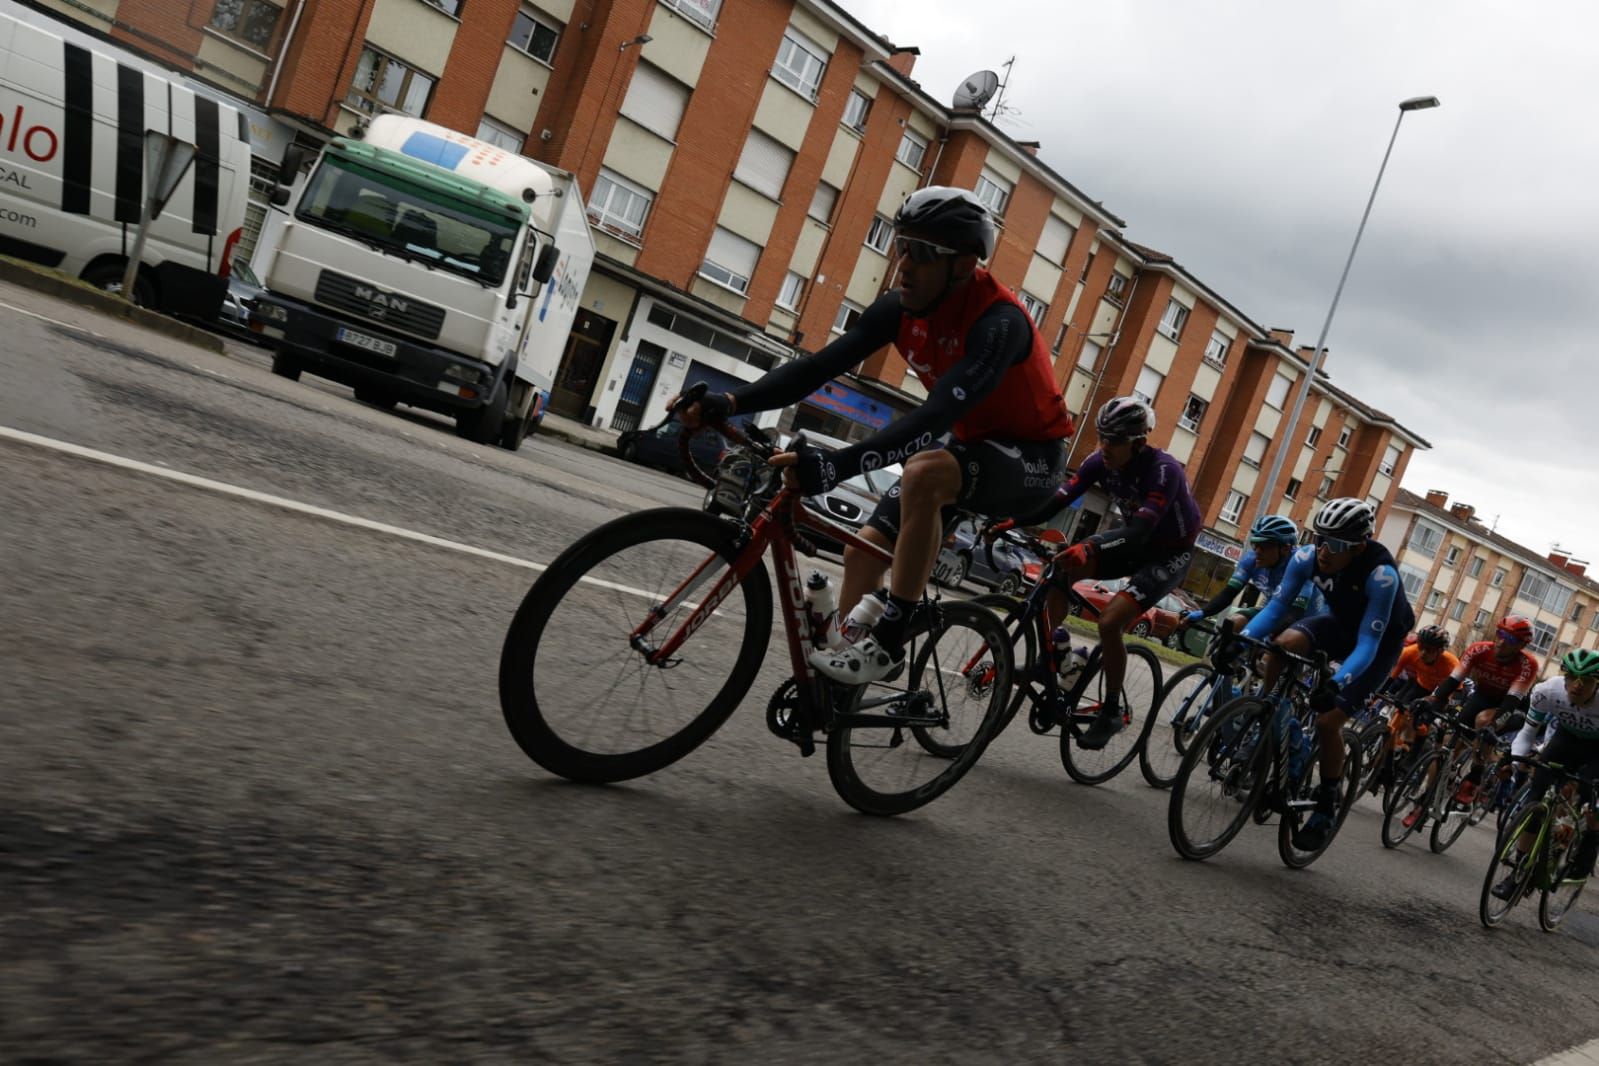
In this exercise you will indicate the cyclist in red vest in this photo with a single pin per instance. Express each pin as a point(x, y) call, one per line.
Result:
point(989, 438)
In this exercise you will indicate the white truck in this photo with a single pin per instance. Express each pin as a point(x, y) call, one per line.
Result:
point(419, 265)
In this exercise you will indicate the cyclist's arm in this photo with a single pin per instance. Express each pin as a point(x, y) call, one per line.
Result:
point(1531, 729)
point(1000, 338)
point(795, 380)
point(1448, 686)
point(1300, 568)
point(1086, 477)
point(1382, 585)
point(1141, 523)
point(1235, 584)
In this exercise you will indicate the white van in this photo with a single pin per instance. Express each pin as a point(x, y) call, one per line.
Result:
point(72, 125)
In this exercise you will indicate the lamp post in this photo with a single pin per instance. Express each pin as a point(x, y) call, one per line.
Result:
point(1268, 497)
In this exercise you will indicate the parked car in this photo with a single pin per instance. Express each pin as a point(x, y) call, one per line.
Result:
point(234, 316)
point(1157, 622)
point(658, 447)
point(965, 559)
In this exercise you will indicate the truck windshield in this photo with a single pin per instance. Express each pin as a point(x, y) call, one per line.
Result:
point(410, 220)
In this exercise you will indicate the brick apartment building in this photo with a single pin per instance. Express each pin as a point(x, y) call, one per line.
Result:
point(741, 162)
point(1462, 575)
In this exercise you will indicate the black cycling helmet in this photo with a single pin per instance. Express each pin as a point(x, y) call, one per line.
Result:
point(1125, 418)
point(1433, 637)
point(954, 218)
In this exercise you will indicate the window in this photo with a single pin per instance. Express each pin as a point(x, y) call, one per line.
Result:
point(763, 165)
point(500, 135)
point(449, 7)
point(822, 202)
point(1475, 569)
point(1544, 591)
point(1593, 620)
point(1500, 573)
point(849, 313)
point(1193, 413)
point(1277, 393)
point(1543, 635)
point(1425, 538)
point(1056, 238)
point(1390, 460)
point(1255, 450)
point(1344, 435)
point(1234, 507)
point(1119, 283)
point(994, 191)
point(1412, 578)
point(1313, 436)
point(1481, 618)
point(385, 84)
point(793, 287)
point(1035, 308)
point(655, 100)
point(1088, 264)
point(618, 204)
point(800, 62)
point(856, 109)
point(1435, 600)
point(535, 33)
point(730, 260)
point(1292, 489)
point(1088, 358)
point(1459, 610)
point(1452, 556)
point(1326, 487)
point(1060, 338)
point(700, 11)
point(250, 21)
point(1216, 349)
point(1171, 323)
point(1576, 612)
point(1149, 382)
point(880, 235)
point(912, 149)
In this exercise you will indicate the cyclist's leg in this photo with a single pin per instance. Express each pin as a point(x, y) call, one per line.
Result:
point(1148, 579)
point(1330, 724)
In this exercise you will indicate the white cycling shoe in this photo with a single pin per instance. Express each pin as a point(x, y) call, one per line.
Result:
point(860, 663)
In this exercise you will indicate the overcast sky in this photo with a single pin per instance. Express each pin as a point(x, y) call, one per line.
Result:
point(1242, 138)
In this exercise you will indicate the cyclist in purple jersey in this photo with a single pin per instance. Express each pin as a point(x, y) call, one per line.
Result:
point(1152, 548)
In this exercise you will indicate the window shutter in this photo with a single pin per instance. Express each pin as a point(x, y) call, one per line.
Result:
point(763, 165)
point(733, 252)
point(1055, 239)
point(655, 101)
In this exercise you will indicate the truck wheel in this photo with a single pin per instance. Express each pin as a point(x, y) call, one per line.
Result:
point(515, 432)
point(285, 366)
point(485, 425)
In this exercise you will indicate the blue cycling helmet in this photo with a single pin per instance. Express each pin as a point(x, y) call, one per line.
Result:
point(1274, 529)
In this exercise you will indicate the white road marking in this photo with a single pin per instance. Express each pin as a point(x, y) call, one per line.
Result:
point(1581, 1055)
point(46, 318)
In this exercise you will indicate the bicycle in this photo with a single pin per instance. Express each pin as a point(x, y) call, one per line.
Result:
point(1375, 729)
point(1430, 791)
point(1060, 701)
point(1556, 823)
point(1194, 692)
point(628, 599)
point(1242, 765)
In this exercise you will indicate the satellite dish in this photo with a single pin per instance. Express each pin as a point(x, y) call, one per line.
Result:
point(976, 91)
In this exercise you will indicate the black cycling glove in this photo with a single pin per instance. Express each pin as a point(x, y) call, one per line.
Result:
point(1324, 697)
point(715, 407)
point(816, 470)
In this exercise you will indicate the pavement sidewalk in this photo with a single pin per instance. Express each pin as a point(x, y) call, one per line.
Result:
point(575, 432)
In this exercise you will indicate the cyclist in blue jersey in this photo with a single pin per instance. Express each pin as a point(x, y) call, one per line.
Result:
point(1153, 549)
point(1272, 540)
point(1363, 626)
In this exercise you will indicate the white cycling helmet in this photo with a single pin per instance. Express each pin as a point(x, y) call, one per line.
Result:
point(1125, 418)
point(1346, 518)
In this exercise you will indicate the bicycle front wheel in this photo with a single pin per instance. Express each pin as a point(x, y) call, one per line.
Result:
point(1412, 799)
point(1139, 696)
point(1508, 862)
point(1454, 816)
point(1184, 703)
point(1023, 646)
point(1562, 891)
point(872, 766)
point(580, 698)
point(1220, 781)
point(1292, 856)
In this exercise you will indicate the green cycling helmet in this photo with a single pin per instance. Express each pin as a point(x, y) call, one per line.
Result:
point(1580, 662)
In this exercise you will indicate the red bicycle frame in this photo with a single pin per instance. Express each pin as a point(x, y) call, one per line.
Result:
point(768, 530)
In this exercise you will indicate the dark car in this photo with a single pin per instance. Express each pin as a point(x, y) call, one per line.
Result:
point(965, 559)
point(658, 446)
point(233, 317)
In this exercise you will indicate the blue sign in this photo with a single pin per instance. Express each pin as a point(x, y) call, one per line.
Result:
point(855, 406)
point(433, 149)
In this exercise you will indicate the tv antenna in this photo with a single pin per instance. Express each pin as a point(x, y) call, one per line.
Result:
point(999, 101)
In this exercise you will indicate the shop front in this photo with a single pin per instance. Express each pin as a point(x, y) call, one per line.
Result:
point(1214, 560)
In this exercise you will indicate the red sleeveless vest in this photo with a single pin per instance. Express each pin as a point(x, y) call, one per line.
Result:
point(1026, 405)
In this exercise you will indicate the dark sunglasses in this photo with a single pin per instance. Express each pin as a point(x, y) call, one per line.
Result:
point(1333, 544)
point(1510, 638)
point(919, 251)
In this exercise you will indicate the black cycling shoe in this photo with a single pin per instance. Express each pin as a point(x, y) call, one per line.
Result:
point(1506, 888)
point(1318, 828)
point(1106, 725)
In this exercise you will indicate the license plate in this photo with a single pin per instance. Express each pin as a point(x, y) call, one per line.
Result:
point(370, 344)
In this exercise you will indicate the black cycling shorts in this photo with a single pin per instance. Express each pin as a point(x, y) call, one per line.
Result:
point(999, 479)
point(1478, 702)
point(1568, 750)
point(1328, 634)
point(1150, 573)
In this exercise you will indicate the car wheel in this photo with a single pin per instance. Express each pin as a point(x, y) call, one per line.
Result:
point(108, 278)
point(629, 451)
point(1140, 628)
point(1011, 584)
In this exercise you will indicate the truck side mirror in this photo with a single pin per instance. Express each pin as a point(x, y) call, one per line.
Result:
point(281, 195)
point(293, 160)
point(544, 269)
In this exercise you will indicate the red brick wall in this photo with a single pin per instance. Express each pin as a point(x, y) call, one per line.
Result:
point(1024, 223)
point(1306, 504)
point(1399, 475)
point(1208, 435)
point(961, 161)
point(321, 59)
point(463, 89)
point(1231, 433)
point(170, 30)
point(1184, 368)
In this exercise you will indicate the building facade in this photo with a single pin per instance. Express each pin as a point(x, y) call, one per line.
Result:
point(1463, 576)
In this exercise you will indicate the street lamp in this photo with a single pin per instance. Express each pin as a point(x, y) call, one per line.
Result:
point(1267, 498)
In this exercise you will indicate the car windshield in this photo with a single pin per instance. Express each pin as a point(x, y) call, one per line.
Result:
point(411, 221)
point(241, 271)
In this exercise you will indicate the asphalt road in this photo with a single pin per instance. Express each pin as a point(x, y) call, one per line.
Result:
point(257, 803)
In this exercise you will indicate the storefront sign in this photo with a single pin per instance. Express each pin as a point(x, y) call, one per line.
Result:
point(1216, 546)
point(852, 405)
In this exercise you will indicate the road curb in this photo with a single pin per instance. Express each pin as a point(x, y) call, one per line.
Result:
point(603, 447)
point(54, 283)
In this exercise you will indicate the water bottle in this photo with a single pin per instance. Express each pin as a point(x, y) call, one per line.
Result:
point(821, 604)
point(1298, 749)
point(860, 621)
point(1071, 659)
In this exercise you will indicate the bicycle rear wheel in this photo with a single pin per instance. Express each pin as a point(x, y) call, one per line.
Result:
point(1411, 795)
point(1557, 898)
point(1220, 781)
point(580, 699)
point(1448, 826)
point(1374, 740)
point(872, 767)
point(1292, 856)
point(1139, 697)
point(1490, 908)
point(1178, 716)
